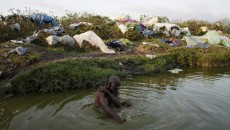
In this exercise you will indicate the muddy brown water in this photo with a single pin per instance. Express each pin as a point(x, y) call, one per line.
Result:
point(190, 100)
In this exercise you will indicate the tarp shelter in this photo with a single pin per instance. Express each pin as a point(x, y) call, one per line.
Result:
point(94, 40)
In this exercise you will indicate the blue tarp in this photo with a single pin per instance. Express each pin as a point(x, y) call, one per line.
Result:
point(40, 18)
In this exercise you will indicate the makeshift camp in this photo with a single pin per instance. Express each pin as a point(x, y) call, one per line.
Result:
point(94, 40)
point(65, 40)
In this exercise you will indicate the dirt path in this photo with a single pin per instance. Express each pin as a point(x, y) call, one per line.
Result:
point(49, 56)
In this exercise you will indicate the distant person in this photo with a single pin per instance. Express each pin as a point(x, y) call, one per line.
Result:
point(40, 18)
point(107, 97)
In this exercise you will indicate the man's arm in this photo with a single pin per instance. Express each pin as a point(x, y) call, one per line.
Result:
point(109, 110)
point(114, 98)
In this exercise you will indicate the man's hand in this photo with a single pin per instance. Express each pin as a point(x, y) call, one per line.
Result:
point(121, 120)
point(103, 89)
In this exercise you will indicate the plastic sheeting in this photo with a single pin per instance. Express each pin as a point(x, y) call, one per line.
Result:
point(176, 32)
point(76, 25)
point(57, 30)
point(116, 44)
point(211, 37)
point(193, 40)
point(20, 50)
point(16, 27)
point(186, 31)
point(167, 28)
point(40, 18)
point(123, 28)
point(65, 40)
point(28, 39)
point(204, 29)
point(125, 41)
point(166, 25)
point(149, 21)
point(225, 41)
point(94, 40)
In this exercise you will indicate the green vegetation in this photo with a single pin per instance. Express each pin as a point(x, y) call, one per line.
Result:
point(11, 61)
point(93, 72)
point(85, 72)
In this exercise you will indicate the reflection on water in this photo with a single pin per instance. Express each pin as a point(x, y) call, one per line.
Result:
point(192, 99)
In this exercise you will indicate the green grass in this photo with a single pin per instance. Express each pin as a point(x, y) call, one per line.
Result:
point(78, 73)
point(13, 60)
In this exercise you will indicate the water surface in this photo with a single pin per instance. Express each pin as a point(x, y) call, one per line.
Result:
point(190, 100)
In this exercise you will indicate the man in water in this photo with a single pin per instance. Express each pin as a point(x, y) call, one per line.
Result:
point(107, 97)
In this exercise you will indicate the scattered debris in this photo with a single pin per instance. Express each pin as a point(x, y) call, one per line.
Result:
point(151, 44)
point(20, 50)
point(65, 40)
point(28, 39)
point(116, 44)
point(76, 25)
point(151, 56)
point(16, 27)
point(56, 30)
point(175, 71)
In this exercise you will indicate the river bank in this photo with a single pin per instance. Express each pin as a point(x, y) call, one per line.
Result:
point(51, 71)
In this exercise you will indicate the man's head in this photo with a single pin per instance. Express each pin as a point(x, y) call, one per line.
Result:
point(114, 83)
